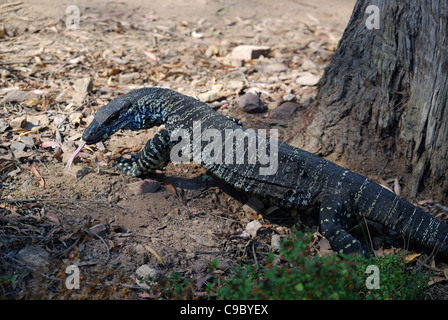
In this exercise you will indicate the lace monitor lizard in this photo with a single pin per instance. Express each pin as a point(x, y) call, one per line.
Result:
point(301, 180)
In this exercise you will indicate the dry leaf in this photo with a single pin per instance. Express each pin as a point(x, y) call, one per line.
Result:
point(154, 253)
point(200, 240)
point(445, 273)
point(170, 187)
point(411, 257)
point(38, 176)
point(53, 218)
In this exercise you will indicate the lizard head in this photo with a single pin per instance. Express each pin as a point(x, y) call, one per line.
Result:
point(130, 111)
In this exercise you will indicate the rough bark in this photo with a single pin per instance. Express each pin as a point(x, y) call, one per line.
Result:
point(384, 95)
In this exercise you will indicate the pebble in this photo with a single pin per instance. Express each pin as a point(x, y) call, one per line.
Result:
point(99, 229)
point(243, 53)
point(276, 241)
point(275, 68)
point(82, 87)
point(284, 111)
point(211, 95)
point(144, 186)
point(307, 79)
point(127, 78)
point(18, 123)
point(3, 125)
point(308, 65)
point(27, 140)
point(251, 103)
point(252, 227)
point(288, 97)
point(147, 273)
point(17, 146)
point(34, 256)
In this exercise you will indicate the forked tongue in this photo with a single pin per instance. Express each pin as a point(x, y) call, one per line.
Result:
point(74, 155)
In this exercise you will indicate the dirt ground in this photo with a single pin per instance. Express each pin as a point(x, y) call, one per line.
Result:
point(53, 79)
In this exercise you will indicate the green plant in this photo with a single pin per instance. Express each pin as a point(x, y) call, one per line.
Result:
point(303, 276)
point(397, 280)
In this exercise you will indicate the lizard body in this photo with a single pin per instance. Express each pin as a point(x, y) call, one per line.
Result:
point(301, 179)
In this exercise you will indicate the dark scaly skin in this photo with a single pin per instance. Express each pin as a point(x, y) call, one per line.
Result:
point(302, 180)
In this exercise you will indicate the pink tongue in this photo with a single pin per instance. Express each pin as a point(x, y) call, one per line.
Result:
point(70, 161)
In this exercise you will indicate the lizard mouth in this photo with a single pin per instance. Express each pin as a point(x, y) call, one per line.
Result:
point(93, 141)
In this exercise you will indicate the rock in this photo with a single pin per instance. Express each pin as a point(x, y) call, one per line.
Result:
point(144, 186)
point(3, 125)
point(308, 65)
point(252, 227)
point(27, 140)
point(288, 97)
point(17, 96)
point(284, 111)
point(127, 78)
point(36, 122)
point(275, 68)
point(307, 79)
point(82, 87)
point(251, 103)
point(99, 229)
point(307, 100)
point(65, 95)
point(211, 95)
point(18, 123)
point(17, 146)
point(243, 53)
point(276, 241)
point(34, 256)
point(146, 273)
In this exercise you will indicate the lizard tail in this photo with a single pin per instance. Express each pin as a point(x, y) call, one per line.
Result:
point(405, 218)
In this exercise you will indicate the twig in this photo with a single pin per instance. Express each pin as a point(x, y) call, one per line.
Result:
point(370, 237)
point(98, 236)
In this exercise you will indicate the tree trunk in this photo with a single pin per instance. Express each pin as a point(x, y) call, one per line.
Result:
point(384, 94)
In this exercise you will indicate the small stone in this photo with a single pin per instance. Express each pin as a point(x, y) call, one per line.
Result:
point(34, 256)
point(308, 65)
point(250, 52)
point(243, 53)
point(99, 229)
point(82, 87)
point(3, 125)
point(36, 122)
point(211, 95)
point(252, 227)
point(17, 146)
point(147, 273)
point(251, 103)
point(307, 79)
point(27, 140)
point(288, 97)
point(276, 242)
point(18, 123)
point(284, 111)
point(128, 77)
point(144, 186)
point(17, 96)
point(275, 68)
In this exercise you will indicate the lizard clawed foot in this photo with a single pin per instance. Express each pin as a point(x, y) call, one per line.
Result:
point(129, 167)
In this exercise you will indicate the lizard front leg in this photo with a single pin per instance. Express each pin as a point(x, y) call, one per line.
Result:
point(156, 151)
point(334, 218)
